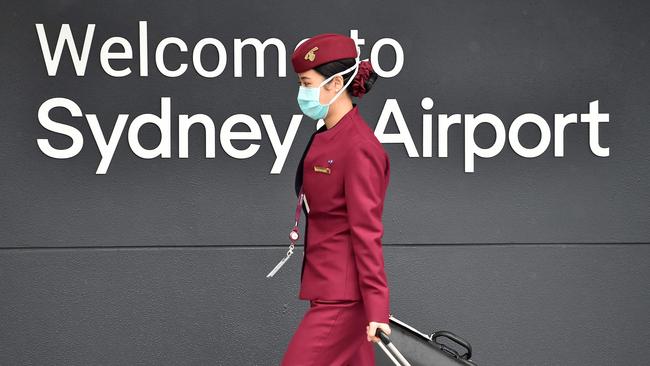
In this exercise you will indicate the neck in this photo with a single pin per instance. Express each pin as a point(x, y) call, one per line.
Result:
point(337, 111)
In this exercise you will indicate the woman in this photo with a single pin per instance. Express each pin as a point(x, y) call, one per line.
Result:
point(344, 174)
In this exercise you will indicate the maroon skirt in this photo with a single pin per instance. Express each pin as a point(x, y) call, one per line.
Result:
point(331, 333)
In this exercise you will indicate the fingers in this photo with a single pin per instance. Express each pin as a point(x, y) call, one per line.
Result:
point(371, 330)
point(385, 328)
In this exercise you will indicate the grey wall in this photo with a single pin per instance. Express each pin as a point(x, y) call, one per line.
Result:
point(541, 261)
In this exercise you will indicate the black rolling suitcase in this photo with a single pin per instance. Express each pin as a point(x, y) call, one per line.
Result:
point(407, 346)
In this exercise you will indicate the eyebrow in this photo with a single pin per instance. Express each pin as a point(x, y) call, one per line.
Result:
point(305, 77)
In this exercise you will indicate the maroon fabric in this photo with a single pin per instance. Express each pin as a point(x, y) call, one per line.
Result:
point(343, 250)
point(331, 334)
point(322, 48)
point(359, 82)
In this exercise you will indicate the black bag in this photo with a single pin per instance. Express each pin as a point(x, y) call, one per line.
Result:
point(408, 346)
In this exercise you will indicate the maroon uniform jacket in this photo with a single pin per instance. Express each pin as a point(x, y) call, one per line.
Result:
point(344, 173)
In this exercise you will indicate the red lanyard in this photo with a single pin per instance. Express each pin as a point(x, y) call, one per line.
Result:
point(298, 208)
point(293, 236)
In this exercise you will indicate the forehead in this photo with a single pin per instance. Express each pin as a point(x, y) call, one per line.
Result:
point(310, 74)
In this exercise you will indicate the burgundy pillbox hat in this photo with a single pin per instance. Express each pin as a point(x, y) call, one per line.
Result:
point(322, 49)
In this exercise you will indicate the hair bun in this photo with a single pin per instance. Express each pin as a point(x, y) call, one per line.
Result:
point(359, 87)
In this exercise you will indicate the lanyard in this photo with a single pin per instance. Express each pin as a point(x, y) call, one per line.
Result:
point(293, 236)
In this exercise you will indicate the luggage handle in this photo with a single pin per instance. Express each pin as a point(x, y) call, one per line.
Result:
point(395, 356)
point(454, 338)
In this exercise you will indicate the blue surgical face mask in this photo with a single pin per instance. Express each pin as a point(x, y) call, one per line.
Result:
point(309, 98)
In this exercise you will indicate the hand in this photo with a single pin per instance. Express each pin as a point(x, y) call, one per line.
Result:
point(371, 329)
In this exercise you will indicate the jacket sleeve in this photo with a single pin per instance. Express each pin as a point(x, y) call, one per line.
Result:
point(366, 180)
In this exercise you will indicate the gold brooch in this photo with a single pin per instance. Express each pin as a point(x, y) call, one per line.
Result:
point(311, 56)
point(322, 169)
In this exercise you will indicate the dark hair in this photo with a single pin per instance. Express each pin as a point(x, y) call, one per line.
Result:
point(363, 80)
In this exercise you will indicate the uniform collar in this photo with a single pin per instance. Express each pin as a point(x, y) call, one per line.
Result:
point(324, 133)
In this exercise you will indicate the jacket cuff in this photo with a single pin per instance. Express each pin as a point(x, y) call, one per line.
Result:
point(377, 309)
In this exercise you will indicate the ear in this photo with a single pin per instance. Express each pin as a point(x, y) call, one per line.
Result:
point(339, 82)
point(335, 84)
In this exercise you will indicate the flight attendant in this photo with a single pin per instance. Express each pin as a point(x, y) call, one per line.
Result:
point(343, 176)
